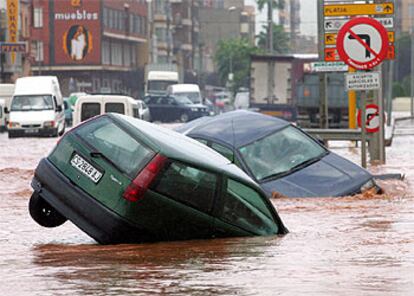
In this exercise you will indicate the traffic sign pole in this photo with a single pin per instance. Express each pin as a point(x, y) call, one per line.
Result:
point(363, 130)
point(351, 105)
point(323, 81)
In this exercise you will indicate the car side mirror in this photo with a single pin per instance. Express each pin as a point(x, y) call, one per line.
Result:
point(6, 110)
point(59, 108)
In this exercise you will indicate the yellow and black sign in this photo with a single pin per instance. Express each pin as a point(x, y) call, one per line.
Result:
point(12, 47)
point(391, 36)
point(12, 22)
point(330, 38)
point(358, 9)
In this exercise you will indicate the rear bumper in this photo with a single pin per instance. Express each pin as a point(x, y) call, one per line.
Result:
point(98, 221)
point(21, 132)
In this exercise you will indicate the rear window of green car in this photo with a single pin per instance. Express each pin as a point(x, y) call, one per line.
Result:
point(115, 144)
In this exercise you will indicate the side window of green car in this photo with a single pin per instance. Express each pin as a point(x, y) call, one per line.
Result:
point(188, 185)
point(245, 208)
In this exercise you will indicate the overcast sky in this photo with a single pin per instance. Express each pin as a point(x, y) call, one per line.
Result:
point(307, 16)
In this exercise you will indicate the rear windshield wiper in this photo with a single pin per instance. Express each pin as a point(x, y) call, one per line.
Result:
point(96, 154)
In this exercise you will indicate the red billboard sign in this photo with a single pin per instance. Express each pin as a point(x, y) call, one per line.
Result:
point(77, 32)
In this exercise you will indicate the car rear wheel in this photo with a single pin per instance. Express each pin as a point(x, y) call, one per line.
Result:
point(184, 117)
point(43, 213)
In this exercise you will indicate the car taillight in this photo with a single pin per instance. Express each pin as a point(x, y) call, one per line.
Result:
point(140, 184)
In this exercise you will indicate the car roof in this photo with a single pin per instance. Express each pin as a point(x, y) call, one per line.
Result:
point(235, 128)
point(115, 98)
point(182, 148)
point(184, 87)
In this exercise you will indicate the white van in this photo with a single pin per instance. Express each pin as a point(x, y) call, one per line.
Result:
point(6, 93)
point(158, 81)
point(192, 91)
point(242, 100)
point(36, 107)
point(92, 105)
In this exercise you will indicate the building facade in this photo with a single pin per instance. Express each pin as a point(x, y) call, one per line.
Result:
point(91, 45)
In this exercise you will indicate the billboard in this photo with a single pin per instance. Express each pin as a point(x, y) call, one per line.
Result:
point(77, 28)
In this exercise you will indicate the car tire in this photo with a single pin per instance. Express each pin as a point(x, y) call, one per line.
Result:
point(184, 117)
point(43, 213)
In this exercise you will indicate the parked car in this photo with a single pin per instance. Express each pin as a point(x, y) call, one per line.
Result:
point(91, 105)
point(175, 107)
point(36, 108)
point(6, 93)
point(192, 91)
point(282, 158)
point(121, 179)
point(68, 112)
point(143, 111)
point(3, 119)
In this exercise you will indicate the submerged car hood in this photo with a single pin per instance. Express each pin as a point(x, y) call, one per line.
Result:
point(333, 175)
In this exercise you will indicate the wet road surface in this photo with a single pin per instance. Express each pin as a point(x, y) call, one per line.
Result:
point(361, 245)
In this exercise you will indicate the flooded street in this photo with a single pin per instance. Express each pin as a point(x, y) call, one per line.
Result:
point(360, 245)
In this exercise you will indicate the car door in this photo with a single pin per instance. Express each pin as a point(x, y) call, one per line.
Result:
point(241, 210)
point(167, 109)
point(154, 106)
point(184, 196)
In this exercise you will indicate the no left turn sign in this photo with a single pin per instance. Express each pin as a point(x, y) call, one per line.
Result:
point(362, 43)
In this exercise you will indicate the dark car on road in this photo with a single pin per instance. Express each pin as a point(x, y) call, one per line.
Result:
point(282, 158)
point(124, 180)
point(173, 108)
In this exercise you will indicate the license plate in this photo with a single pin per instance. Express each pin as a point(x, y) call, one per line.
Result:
point(31, 130)
point(85, 168)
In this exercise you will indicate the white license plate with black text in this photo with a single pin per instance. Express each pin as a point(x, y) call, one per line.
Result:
point(85, 168)
point(31, 131)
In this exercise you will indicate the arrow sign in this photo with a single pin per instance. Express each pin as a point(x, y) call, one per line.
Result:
point(334, 25)
point(358, 9)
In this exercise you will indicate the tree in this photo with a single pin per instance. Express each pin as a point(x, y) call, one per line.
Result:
point(233, 56)
point(280, 39)
point(280, 4)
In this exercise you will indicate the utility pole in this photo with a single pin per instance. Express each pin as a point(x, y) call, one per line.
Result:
point(323, 81)
point(271, 63)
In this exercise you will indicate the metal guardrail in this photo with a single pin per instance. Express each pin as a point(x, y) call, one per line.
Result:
point(335, 134)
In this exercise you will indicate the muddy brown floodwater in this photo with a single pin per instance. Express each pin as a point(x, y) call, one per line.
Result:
point(361, 245)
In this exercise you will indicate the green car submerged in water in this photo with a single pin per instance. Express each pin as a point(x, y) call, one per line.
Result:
point(123, 180)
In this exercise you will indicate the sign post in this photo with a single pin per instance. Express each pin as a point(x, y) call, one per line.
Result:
point(362, 43)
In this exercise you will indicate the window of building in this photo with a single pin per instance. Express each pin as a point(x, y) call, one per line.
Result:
point(111, 18)
point(161, 34)
point(38, 49)
point(38, 17)
point(133, 56)
point(127, 55)
point(106, 53)
point(106, 17)
point(116, 54)
point(188, 185)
